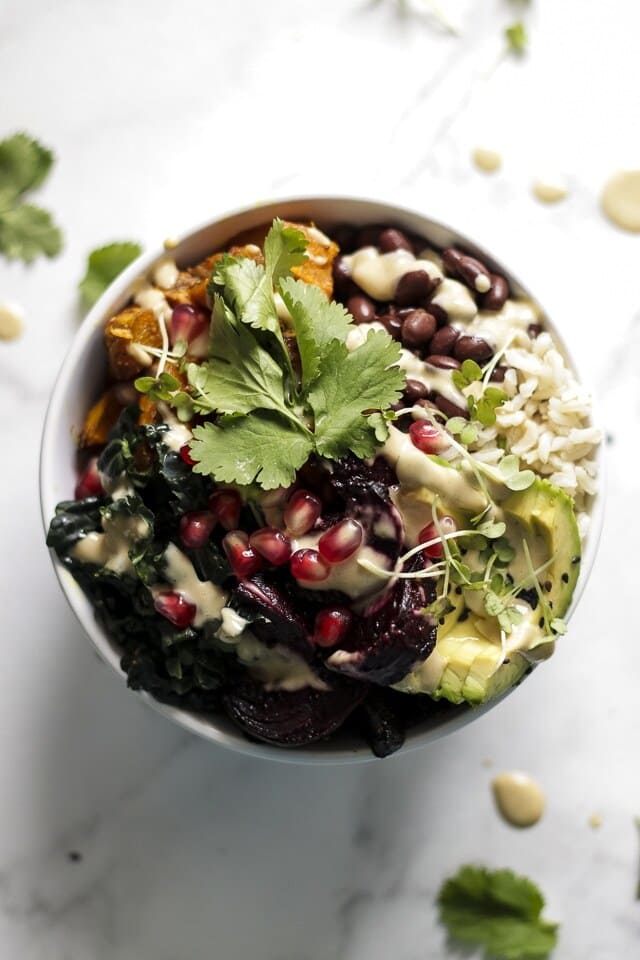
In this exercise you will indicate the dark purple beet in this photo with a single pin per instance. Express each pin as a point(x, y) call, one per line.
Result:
point(385, 645)
point(292, 719)
point(277, 619)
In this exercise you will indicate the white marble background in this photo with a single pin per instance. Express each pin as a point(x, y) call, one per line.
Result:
point(121, 836)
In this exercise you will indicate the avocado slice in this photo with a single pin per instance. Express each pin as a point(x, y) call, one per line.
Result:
point(544, 515)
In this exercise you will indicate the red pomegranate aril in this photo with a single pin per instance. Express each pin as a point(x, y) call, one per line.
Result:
point(175, 609)
point(240, 554)
point(272, 544)
point(301, 512)
point(341, 541)
point(185, 453)
point(196, 527)
point(226, 505)
point(187, 324)
point(430, 532)
point(426, 437)
point(307, 564)
point(331, 626)
point(89, 483)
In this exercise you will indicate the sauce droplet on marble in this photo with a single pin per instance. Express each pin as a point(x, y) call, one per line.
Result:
point(486, 160)
point(519, 798)
point(549, 189)
point(620, 200)
point(11, 321)
point(595, 821)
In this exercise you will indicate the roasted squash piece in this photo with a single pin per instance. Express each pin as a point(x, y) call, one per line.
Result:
point(133, 325)
point(100, 419)
point(321, 252)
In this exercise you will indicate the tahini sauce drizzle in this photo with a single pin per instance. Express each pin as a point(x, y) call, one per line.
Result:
point(620, 200)
point(181, 576)
point(11, 321)
point(519, 798)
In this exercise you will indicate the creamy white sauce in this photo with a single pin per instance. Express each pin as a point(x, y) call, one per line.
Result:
point(11, 321)
point(456, 299)
point(519, 798)
point(435, 378)
point(178, 434)
point(416, 469)
point(181, 576)
point(486, 160)
point(499, 328)
point(165, 273)
point(620, 200)
point(278, 667)
point(349, 576)
point(117, 489)
point(110, 549)
point(378, 273)
point(139, 354)
point(318, 236)
point(232, 623)
point(550, 189)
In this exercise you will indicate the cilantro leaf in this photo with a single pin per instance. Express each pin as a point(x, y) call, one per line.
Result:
point(26, 231)
point(24, 165)
point(284, 248)
point(240, 375)
point(497, 910)
point(348, 384)
point(316, 321)
point(516, 37)
point(103, 265)
point(263, 448)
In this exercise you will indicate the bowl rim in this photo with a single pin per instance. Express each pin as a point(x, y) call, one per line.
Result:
point(206, 726)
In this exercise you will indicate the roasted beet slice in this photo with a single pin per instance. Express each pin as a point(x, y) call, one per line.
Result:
point(292, 719)
point(356, 480)
point(274, 618)
point(385, 645)
point(380, 724)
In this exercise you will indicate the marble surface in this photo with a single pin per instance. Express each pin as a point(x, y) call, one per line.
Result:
point(122, 836)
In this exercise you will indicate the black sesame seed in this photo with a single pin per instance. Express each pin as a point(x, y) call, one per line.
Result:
point(441, 621)
point(463, 616)
point(547, 585)
point(541, 622)
point(575, 559)
point(565, 578)
point(458, 590)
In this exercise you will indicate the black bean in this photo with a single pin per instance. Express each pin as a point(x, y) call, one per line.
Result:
point(415, 390)
point(418, 328)
point(361, 309)
point(443, 362)
point(442, 317)
point(465, 267)
point(534, 330)
point(368, 235)
point(498, 374)
point(451, 409)
point(497, 294)
point(413, 288)
point(443, 340)
point(341, 279)
point(472, 348)
point(392, 239)
point(345, 236)
point(392, 324)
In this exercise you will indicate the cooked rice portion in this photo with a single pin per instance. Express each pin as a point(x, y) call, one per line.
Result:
point(546, 421)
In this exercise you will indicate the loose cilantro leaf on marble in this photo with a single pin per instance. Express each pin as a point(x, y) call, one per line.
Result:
point(103, 265)
point(498, 910)
point(348, 384)
point(26, 231)
point(517, 37)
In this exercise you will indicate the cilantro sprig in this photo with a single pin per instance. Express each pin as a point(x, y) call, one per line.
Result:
point(498, 910)
point(26, 231)
point(270, 416)
point(103, 265)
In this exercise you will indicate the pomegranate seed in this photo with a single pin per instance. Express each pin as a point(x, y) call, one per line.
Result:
point(196, 527)
point(175, 608)
point(272, 544)
point(426, 437)
point(89, 483)
point(331, 625)
point(190, 324)
point(307, 564)
point(226, 505)
point(185, 453)
point(301, 512)
point(341, 541)
point(435, 551)
point(241, 555)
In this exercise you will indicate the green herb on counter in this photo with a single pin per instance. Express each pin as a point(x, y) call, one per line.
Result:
point(103, 266)
point(517, 37)
point(26, 231)
point(498, 910)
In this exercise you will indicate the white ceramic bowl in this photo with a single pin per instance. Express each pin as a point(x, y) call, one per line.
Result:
point(81, 379)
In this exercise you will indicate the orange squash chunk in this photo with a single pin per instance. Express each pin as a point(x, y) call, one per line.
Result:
point(132, 325)
point(100, 420)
